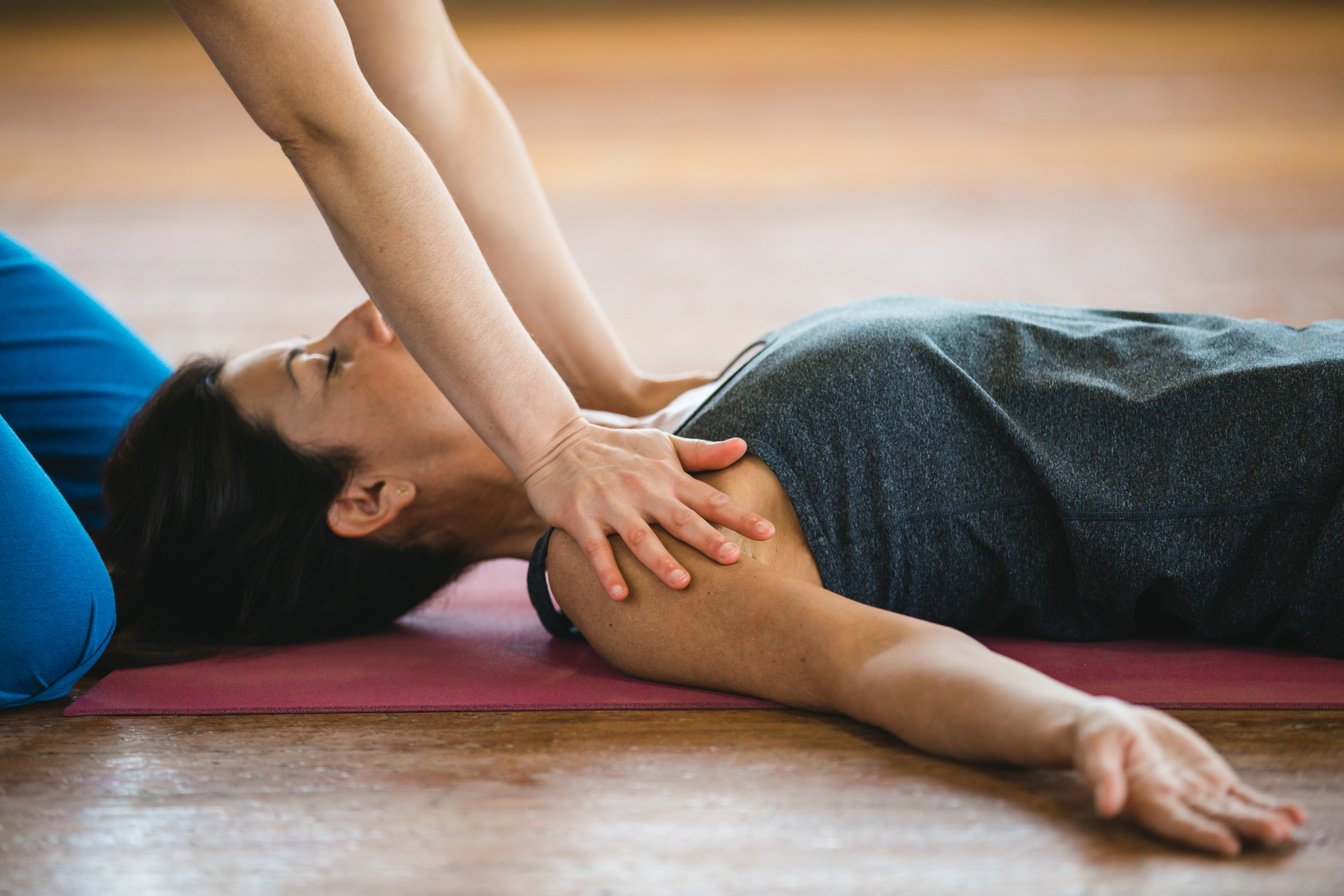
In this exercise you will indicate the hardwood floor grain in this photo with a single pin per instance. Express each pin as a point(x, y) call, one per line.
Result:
point(604, 802)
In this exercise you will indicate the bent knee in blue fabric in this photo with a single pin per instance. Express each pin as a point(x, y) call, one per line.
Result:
point(71, 377)
point(56, 606)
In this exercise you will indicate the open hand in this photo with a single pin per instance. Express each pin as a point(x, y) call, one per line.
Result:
point(1149, 767)
point(598, 481)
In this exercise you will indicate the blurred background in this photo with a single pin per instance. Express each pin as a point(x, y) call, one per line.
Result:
point(720, 168)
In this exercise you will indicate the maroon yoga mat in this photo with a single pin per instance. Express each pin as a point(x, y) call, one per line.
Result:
point(478, 646)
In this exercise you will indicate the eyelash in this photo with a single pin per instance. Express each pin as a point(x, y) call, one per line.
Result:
point(331, 363)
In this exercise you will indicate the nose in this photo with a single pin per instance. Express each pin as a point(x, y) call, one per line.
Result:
point(363, 325)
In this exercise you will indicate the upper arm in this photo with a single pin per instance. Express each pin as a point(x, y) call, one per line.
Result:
point(744, 628)
point(291, 64)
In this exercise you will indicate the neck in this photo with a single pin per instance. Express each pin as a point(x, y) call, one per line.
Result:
point(480, 507)
point(513, 527)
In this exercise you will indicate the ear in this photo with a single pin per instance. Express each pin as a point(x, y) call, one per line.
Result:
point(367, 504)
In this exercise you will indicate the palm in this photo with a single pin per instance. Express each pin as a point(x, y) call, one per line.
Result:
point(1156, 771)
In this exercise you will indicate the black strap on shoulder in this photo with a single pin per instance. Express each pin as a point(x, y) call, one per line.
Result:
point(553, 619)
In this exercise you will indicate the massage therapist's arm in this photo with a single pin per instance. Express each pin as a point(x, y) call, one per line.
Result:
point(420, 71)
point(752, 630)
point(293, 67)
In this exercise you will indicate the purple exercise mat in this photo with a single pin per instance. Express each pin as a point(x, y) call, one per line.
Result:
point(478, 646)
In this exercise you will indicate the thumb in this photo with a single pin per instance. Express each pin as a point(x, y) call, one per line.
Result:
point(1103, 765)
point(695, 454)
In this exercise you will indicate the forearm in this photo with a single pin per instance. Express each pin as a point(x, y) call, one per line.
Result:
point(391, 215)
point(944, 692)
point(502, 200)
point(398, 228)
point(418, 68)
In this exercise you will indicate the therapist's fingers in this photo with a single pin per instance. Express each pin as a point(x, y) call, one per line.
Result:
point(600, 482)
point(649, 550)
point(703, 500)
point(697, 455)
point(685, 524)
point(603, 561)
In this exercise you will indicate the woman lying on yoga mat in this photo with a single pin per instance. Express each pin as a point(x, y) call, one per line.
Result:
point(935, 468)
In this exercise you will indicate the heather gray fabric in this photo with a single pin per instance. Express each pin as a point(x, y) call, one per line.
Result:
point(1060, 473)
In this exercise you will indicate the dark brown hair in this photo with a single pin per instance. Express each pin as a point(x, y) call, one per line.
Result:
point(217, 533)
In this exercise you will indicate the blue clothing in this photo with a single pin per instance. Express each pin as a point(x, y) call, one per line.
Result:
point(1059, 473)
point(71, 377)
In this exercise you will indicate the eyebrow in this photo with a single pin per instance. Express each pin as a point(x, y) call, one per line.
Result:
point(289, 363)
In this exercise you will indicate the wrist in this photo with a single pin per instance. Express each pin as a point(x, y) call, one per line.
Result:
point(1075, 722)
point(1092, 716)
point(570, 433)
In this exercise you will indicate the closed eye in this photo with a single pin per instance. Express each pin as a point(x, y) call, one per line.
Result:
point(331, 362)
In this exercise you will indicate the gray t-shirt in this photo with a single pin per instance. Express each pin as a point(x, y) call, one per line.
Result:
point(1059, 473)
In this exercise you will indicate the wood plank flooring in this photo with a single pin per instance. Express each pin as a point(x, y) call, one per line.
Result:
point(603, 802)
point(718, 173)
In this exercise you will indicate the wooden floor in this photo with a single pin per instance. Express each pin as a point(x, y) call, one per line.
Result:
point(718, 173)
point(751, 802)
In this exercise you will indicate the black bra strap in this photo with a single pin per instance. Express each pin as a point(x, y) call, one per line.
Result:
point(552, 618)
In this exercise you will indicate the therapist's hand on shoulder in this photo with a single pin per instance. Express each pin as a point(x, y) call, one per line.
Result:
point(595, 482)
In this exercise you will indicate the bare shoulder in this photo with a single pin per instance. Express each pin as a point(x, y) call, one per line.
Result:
point(754, 485)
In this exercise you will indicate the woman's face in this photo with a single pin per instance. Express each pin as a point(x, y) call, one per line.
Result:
point(356, 387)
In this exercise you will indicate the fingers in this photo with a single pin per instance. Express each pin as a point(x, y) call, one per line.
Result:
point(644, 544)
point(604, 481)
point(603, 561)
point(1214, 814)
point(1259, 798)
point(1181, 824)
point(1164, 776)
point(700, 455)
point(713, 505)
point(1216, 822)
point(646, 547)
point(1247, 820)
point(685, 523)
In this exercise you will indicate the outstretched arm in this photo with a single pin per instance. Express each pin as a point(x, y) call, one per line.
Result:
point(293, 67)
point(753, 630)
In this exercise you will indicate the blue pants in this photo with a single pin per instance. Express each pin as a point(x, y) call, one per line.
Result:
point(71, 376)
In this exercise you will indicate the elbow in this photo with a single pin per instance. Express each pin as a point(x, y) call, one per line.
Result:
point(304, 132)
point(286, 118)
point(315, 143)
point(300, 137)
point(301, 147)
